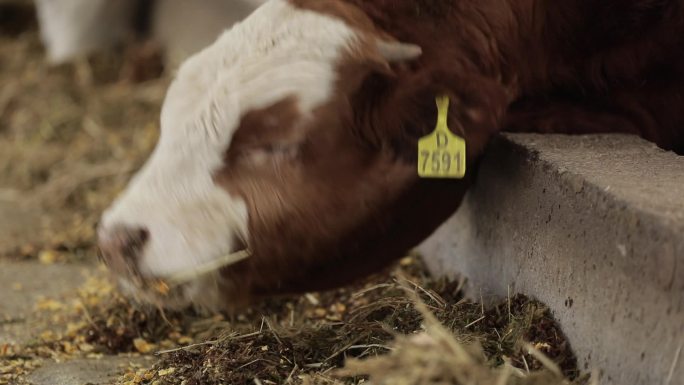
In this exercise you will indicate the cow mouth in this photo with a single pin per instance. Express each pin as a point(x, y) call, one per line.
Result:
point(170, 291)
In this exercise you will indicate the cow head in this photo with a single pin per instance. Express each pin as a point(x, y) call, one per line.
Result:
point(291, 137)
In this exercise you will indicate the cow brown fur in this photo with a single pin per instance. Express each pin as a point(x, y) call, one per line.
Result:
point(573, 67)
point(616, 61)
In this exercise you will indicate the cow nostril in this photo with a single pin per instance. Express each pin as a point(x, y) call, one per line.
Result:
point(133, 240)
point(120, 247)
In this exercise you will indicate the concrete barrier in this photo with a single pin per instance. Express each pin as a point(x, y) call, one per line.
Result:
point(594, 227)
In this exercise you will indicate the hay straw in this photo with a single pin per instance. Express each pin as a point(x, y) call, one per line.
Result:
point(541, 357)
point(675, 361)
point(209, 267)
point(435, 356)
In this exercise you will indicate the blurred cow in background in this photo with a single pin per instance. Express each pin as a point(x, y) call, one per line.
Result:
point(71, 29)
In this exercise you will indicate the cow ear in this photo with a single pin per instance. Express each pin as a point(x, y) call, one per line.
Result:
point(396, 112)
point(268, 132)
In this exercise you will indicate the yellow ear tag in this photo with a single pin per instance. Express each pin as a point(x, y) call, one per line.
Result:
point(442, 154)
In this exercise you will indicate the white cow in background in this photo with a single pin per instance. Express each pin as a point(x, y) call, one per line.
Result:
point(71, 29)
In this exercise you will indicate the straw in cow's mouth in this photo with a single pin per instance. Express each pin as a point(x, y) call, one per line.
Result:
point(198, 271)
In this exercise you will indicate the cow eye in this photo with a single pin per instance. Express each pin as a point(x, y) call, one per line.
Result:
point(268, 155)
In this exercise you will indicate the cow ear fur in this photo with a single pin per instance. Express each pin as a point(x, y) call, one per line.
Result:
point(395, 112)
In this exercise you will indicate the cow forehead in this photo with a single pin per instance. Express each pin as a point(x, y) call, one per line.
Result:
point(280, 51)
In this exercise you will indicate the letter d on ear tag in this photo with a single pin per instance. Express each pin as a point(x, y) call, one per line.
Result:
point(442, 154)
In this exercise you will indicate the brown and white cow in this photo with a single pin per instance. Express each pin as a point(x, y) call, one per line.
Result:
point(294, 135)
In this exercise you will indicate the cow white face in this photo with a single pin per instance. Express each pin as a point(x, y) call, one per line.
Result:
point(236, 125)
